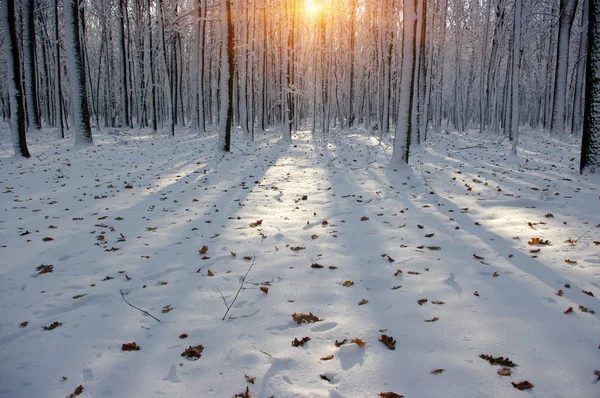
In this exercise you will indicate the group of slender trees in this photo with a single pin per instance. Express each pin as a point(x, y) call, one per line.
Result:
point(402, 66)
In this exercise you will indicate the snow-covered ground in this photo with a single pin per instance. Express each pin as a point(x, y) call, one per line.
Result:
point(127, 219)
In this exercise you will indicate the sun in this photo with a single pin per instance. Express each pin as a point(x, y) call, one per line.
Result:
point(312, 7)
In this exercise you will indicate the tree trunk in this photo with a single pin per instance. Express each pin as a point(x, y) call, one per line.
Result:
point(81, 113)
point(227, 75)
point(58, 89)
point(516, 65)
point(577, 119)
point(33, 111)
point(125, 119)
point(17, 117)
point(565, 22)
point(590, 145)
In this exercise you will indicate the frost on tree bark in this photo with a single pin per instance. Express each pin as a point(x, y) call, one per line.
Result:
point(565, 22)
point(226, 111)
point(81, 113)
point(402, 139)
point(590, 145)
point(577, 119)
point(58, 89)
point(17, 117)
point(33, 112)
point(125, 119)
point(516, 64)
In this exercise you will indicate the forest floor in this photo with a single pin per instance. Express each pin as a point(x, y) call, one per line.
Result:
point(469, 252)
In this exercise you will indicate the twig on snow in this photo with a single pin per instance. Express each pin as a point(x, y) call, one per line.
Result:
point(243, 280)
point(139, 309)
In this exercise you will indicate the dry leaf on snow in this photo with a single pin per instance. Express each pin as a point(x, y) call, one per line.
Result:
point(193, 352)
point(340, 343)
point(358, 342)
point(130, 347)
point(389, 341)
point(348, 283)
point(437, 371)
point(204, 249)
point(390, 394)
point(538, 241)
point(327, 358)
point(504, 372)
point(498, 360)
point(301, 342)
point(264, 289)
point(305, 318)
point(52, 326)
point(523, 385)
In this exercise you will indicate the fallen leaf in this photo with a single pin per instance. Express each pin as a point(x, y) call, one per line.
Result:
point(568, 310)
point(52, 326)
point(390, 394)
point(597, 374)
point(495, 274)
point(438, 302)
point(434, 248)
point(396, 287)
point(340, 343)
point(389, 341)
point(297, 248)
point(264, 289)
point(327, 358)
point(478, 257)
point(588, 293)
point(316, 265)
point(250, 379)
point(420, 226)
point(358, 342)
point(324, 377)
point(314, 236)
point(431, 235)
point(364, 218)
point(183, 336)
point(434, 319)
point(305, 318)
point(569, 261)
point(256, 223)
point(301, 342)
point(44, 269)
point(210, 273)
point(586, 310)
point(23, 324)
point(560, 293)
point(193, 352)
point(437, 371)
point(398, 272)
point(498, 360)
point(47, 239)
point(78, 391)
point(504, 372)
point(476, 293)
point(348, 283)
point(245, 394)
point(523, 385)
point(538, 241)
point(422, 301)
point(363, 302)
point(130, 347)
point(166, 309)
point(204, 249)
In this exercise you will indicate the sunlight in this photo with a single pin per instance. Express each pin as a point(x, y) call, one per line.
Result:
point(312, 7)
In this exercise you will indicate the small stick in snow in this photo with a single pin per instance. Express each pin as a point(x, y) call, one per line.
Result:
point(243, 280)
point(139, 309)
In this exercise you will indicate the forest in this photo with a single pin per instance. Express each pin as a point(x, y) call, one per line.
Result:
point(299, 198)
point(389, 66)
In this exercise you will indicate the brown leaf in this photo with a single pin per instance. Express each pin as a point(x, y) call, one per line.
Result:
point(301, 342)
point(245, 394)
point(210, 273)
point(478, 257)
point(538, 241)
point(193, 352)
point(264, 289)
point(247, 258)
point(396, 287)
point(597, 242)
point(413, 273)
point(597, 374)
point(348, 283)
point(314, 236)
point(420, 226)
point(364, 218)
point(498, 360)
point(324, 223)
point(434, 248)
point(324, 377)
point(569, 261)
point(333, 267)
point(47, 239)
point(504, 372)
point(327, 358)
point(431, 235)
point(389, 341)
point(167, 308)
point(389, 394)
point(23, 324)
point(422, 301)
point(359, 342)
point(495, 274)
point(587, 310)
point(340, 343)
point(438, 302)
point(434, 319)
point(398, 272)
point(568, 310)
point(297, 248)
point(204, 249)
point(305, 318)
point(523, 385)
point(52, 326)
point(437, 371)
point(560, 293)
point(183, 336)
point(363, 302)
point(316, 265)
point(256, 223)
point(250, 379)
point(549, 215)
point(476, 293)
point(588, 293)
point(78, 391)
point(44, 269)
point(130, 347)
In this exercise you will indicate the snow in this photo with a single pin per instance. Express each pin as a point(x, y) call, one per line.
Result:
point(194, 200)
